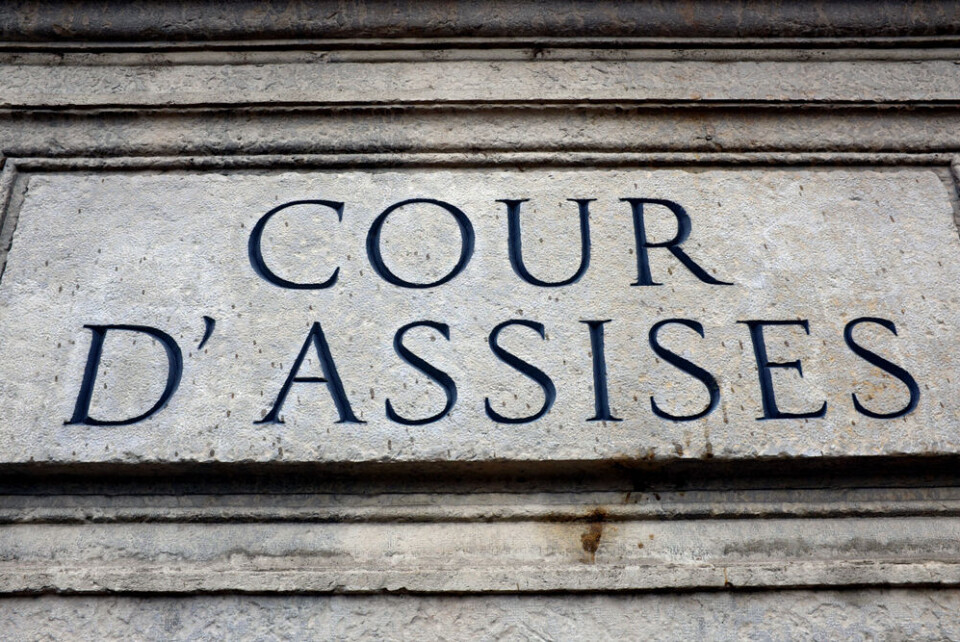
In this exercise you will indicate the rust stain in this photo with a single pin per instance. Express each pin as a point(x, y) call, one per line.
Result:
point(590, 539)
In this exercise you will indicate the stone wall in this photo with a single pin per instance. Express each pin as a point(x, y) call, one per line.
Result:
point(812, 145)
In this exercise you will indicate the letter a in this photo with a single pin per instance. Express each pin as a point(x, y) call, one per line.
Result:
point(330, 377)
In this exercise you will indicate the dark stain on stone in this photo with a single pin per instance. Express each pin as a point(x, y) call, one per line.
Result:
point(590, 539)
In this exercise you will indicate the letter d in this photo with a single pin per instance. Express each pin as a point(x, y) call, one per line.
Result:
point(81, 412)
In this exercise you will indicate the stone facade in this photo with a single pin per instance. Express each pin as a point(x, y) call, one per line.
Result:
point(499, 320)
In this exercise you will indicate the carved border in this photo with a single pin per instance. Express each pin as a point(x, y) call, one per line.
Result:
point(723, 20)
point(342, 535)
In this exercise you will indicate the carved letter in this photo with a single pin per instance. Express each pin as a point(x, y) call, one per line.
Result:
point(770, 410)
point(683, 232)
point(690, 368)
point(81, 411)
point(878, 361)
point(376, 258)
point(256, 253)
point(515, 244)
point(440, 377)
point(534, 373)
point(601, 401)
point(330, 377)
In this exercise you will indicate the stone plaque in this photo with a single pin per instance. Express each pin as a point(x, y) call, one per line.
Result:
point(480, 315)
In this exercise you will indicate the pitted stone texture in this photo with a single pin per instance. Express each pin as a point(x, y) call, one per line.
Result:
point(825, 615)
point(568, 19)
point(97, 80)
point(164, 250)
point(476, 555)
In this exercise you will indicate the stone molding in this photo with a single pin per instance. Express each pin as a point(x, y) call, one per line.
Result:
point(94, 86)
point(249, 21)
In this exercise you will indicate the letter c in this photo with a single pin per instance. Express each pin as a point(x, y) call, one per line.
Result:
point(256, 253)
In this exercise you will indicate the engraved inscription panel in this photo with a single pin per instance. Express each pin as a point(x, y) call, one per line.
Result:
point(480, 314)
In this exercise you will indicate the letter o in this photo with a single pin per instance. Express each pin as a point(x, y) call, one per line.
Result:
point(376, 259)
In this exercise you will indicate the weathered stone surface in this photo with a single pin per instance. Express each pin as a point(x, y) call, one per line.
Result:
point(822, 615)
point(811, 144)
point(494, 555)
point(483, 77)
point(72, 20)
point(581, 134)
point(164, 250)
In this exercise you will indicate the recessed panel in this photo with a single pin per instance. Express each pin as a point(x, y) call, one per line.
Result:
point(429, 315)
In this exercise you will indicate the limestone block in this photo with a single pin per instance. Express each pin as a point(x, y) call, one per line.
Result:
point(890, 614)
point(815, 250)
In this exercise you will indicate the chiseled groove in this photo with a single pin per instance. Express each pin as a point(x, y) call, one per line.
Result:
point(213, 513)
point(511, 577)
point(535, 42)
point(569, 129)
point(333, 53)
point(167, 108)
point(13, 188)
point(478, 159)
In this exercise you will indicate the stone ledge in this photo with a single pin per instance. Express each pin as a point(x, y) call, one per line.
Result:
point(917, 614)
point(498, 76)
point(196, 20)
point(473, 557)
point(560, 129)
